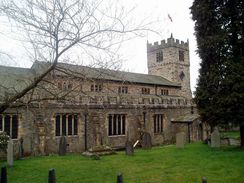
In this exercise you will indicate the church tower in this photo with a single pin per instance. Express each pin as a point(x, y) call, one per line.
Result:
point(170, 59)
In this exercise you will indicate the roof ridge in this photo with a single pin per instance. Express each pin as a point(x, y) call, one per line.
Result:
point(15, 67)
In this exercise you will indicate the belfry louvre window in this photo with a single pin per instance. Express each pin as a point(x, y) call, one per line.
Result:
point(116, 124)
point(181, 56)
point(159, 56)
point(9, 124)
point(66, 124)
point(158, 123)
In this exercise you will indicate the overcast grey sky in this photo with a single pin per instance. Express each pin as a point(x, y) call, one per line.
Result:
point(133, 52)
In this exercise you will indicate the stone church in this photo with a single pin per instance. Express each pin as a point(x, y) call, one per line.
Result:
point(100, 107)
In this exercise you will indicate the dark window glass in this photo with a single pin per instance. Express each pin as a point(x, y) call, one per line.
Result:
point(158, 127)
point(1, 123)
point(100, 88)
point(155, 124)
point(70, 124)
point(110, 119)
point(114, 125)
point(7, 124)
point(123, 124)
point(58, 125)
point(161, 124)
point(75, 124)
point(119, 124)
point(14, 126)
point(64, 125)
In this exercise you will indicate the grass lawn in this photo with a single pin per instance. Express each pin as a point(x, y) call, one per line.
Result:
point(164, 164)
point(235, 135)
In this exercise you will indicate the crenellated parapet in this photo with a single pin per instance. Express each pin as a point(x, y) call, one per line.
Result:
point(170, 42)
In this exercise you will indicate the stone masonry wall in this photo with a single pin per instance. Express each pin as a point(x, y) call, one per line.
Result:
point(37, 127)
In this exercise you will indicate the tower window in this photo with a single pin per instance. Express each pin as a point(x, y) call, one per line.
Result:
point(181, 56)
point(182, 75)
point(159, 56)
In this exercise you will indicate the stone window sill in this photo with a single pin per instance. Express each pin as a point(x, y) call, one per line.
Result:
point(112, 136)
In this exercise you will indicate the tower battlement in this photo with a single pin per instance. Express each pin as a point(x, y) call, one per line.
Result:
point(170, 42)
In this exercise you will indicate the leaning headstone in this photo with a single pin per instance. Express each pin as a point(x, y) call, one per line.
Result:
point(215, 138)
point(146, 141)
point(10, 153)
point(180, 140)
point(129, 150)
point(62, 146)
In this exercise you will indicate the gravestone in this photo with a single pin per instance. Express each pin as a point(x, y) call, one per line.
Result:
point(10, 153)
point(21, 148)
point(129, 150)
point(27, 145)
point(146, 141)
point(215, 138)
point(62, 146)
point(180, 140)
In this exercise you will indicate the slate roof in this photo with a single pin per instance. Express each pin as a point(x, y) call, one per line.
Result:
point(113, 75)
point(14, 79)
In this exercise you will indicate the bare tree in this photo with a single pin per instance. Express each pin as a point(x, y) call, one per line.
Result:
point(54, 30)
